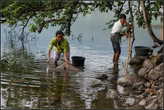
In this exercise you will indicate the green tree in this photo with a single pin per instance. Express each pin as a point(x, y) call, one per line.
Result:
point(40, 14)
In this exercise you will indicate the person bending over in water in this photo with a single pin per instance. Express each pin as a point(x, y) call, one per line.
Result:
point(61, 45)
point(116, 36)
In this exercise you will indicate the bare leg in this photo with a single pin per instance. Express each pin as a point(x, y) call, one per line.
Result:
point(114, 57)
point(57, 57)
point(117, 56)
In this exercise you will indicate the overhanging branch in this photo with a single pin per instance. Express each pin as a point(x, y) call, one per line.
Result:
point(48, 21)
point(148, 25)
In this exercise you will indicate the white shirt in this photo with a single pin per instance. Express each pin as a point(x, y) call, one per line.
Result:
point(117, 27)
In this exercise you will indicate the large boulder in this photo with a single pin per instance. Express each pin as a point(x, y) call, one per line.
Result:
point(157, 72)
point(127, 80)
point(148, 64)
point(137, 60)
point(158, 59)
point(146, 68)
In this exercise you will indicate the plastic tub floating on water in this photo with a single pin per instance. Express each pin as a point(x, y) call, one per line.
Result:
point(78, 61)
point(143, 51)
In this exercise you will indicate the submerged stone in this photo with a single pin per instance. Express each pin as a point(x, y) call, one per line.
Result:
point(127, 80)
point(102, 77)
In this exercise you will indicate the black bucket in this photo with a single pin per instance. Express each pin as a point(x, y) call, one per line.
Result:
point(143, 51)
point(78, 61)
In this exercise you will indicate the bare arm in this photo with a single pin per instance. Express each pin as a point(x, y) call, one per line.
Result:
point(49, 54)
point(67, 53)
point(128, 25)
point(67, 57)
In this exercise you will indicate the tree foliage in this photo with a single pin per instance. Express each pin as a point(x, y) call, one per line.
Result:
point(40, 14)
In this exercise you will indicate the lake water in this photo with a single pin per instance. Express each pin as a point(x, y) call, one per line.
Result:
point(73, 90)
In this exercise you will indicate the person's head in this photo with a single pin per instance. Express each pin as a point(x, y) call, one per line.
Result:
point(122, 18)
point(59, 35)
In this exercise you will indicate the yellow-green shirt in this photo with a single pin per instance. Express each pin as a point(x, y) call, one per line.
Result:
point(61, 47)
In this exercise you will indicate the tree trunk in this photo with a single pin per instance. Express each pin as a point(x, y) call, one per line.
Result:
point(162, 29)
point(131, 37)
point(0, 42)
point(148, 25)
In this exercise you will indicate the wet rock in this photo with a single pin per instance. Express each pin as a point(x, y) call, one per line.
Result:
point(156, 60)
point(161, 79)
point(150, 91)
point(63, 67)
point(157, 72)
point(161, 50)
point(3, 63)
point(150, 98)
point(96, 83)
point(112, 93)
point(140, 96)
point(122, 90)
point(130, 101)
point(147, 84)
point(137, 60)
point(127, 80)
point(138, 87)
point(102, 77)
point(160, 98)
point(147, 66)
point(137, 84)
point(152, 105)
point(134, 107)
point(142, 102)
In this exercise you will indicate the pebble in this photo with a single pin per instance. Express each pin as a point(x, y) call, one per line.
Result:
point(112, 94)
point(121, 90)
point(130, 101)
point(142, 102)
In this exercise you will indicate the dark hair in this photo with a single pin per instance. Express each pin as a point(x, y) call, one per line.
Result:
point(122, 16)
point(59, 32)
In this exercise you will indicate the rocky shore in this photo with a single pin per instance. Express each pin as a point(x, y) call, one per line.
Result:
point(144, 88)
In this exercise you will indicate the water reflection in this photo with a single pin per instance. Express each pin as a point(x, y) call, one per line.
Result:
point(29, 82)
point(38, 88)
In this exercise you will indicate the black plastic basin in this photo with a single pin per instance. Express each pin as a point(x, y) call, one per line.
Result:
point(143, 51)
point(78, 61)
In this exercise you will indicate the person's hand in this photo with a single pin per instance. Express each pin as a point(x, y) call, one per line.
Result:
point(68, 62)
point(66, 65)
point(48, 61)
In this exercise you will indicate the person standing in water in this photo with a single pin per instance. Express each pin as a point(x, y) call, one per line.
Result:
point(60, 45)
point(116, 35)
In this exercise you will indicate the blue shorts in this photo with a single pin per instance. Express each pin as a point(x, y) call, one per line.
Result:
point(116, 39)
